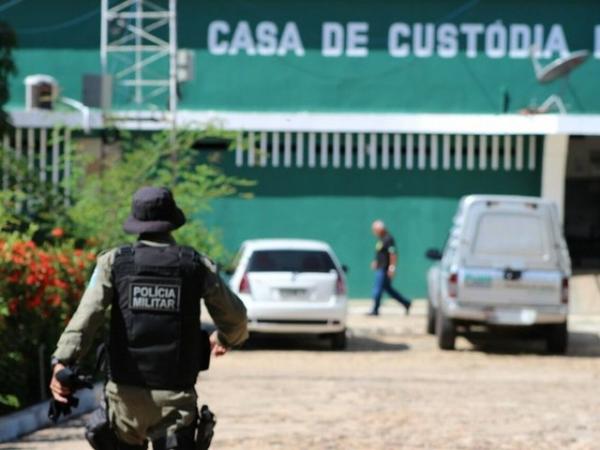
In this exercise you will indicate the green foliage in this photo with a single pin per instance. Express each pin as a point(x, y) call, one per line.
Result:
point(29, 204)
point(103, 198)
point(43, 268)
point(8, 40)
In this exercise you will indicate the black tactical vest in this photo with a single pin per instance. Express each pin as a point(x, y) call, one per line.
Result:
point(154, 338)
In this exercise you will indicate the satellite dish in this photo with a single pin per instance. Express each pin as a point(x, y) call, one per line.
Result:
point(560, 68)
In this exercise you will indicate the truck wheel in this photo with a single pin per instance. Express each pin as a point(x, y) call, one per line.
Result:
point(430, 318)
point(339, 341)
point(446, 331)
point(557, 339)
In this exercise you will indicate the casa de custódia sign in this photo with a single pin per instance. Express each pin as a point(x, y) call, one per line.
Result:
point(435, 56)
point(423, 40)
point(381, 56)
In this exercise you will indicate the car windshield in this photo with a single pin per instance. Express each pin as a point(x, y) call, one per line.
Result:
point(511, 234)
point(290, 261)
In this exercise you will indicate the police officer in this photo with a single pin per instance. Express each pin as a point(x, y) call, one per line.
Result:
point(153, 289)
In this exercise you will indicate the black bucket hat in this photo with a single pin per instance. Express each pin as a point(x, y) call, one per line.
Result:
point(153, 210)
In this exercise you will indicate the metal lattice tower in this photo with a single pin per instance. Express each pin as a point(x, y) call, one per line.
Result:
point(139, 50)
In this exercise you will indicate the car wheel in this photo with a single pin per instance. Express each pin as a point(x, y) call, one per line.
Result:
point(446, 331)
point(557, 339)
point(430, 318)
point(339, 341)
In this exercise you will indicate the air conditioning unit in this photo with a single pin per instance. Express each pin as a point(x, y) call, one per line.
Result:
point(41, 92)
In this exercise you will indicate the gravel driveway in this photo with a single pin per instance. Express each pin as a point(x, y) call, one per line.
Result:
point(393, 389)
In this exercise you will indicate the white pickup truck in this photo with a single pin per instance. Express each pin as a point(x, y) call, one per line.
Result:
point(505, 264)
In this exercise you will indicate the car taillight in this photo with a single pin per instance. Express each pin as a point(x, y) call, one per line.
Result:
point(564, 295)
point(340, 286)
point(453, 285)
point(244, 285)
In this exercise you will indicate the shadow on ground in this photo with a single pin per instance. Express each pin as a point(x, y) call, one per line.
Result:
point(314, 343)
point(581, 344)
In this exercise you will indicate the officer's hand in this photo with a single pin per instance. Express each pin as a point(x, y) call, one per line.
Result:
point(59, 392)
point(373, 265)
point(391, 273)
point(217, 348)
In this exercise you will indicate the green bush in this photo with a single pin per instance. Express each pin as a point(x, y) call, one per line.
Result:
point(48, 242)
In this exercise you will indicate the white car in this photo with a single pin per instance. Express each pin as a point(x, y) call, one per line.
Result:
point(292, 286)
point(505, 263)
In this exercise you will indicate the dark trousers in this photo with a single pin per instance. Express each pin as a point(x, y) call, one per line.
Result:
point(383, 283)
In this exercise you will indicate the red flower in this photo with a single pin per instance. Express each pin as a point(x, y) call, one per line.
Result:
point(14, 276)
point(13, 305)
point(57, 232)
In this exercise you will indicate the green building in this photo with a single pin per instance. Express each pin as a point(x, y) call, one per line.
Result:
point(346, 111)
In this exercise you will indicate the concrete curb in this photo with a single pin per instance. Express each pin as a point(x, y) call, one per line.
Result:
point(35, 417)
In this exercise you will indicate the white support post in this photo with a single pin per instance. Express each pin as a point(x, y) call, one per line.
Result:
point(482, 152)
point(239, 149)
point(287, 149)
point(554, 169)
point(519, 153)
point(263, 149)
point(299, 149)
point(55, 159)
point(410, 148)
point(360, 159)
point(385, 151)
point(507, 149)
point(447, 152)
point(348, 150)
point(5, 160)
point(495, 152)
point(458, 149)
point(67, 172)
point(43, 154)
point(251, 149)
point(397, 151)
point(433, 153)
point(336, 150)
point(373, 151)
point(422, 151)
point(324, 150)
point(470, 152)
point(275, 149)
point(312, 150)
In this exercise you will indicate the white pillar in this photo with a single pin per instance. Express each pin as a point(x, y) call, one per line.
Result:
point(554, 170)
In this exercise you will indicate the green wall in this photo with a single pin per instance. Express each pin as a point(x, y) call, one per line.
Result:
point(338, 206)
point(61, 38)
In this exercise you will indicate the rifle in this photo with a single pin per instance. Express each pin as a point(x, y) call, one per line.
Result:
point(72, 378)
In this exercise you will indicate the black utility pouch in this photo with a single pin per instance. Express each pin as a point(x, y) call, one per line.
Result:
point(205, 350)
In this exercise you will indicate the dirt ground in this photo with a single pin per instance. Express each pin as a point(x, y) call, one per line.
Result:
point(393, 389)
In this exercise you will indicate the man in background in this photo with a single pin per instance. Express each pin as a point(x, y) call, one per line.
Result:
point(384, 266)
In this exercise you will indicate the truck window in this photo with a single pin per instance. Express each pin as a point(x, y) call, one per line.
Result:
point(511, 234)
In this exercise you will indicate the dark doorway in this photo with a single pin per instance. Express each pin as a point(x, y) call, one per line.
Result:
point(582, 202)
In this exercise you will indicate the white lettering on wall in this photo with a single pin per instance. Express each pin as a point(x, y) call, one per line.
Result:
point(217, 45)
point(332, 39)
point(398, 47)
point(423, 40)
point(447, 40)
point(290, 41)
point(357, 39)
point(520, 41)
point(471, 32)
point(493, 40)
point(266, 38)
point(597, 41)
point(556, 44)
